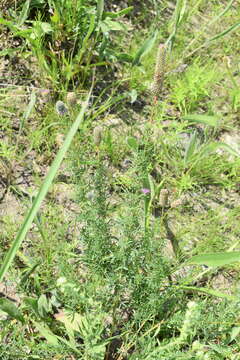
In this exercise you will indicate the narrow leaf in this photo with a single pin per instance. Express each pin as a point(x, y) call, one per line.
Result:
point(24, 13)
point(228, 148)
point(85, 40)
point(30, 106)
point(208, 292)
point(191, 148)
point(10, 308)
point(202, 119)
point(118, 13)
point(225, 32)
point(145, 48)
point(100, 8)
point(215, 259)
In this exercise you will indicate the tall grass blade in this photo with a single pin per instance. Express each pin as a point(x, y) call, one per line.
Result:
point(225, 32)
point(42, 191)
point(24, 13)
point(215, 259)
point(178, 17)
point(222, 13)
point(191, 148)
point(100, 8)
point(208, 291)
point(85, 40)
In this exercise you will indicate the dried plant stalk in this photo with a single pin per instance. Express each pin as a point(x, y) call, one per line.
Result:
point(159, 71)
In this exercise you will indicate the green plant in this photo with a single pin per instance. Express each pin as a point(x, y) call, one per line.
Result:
point(67, 38)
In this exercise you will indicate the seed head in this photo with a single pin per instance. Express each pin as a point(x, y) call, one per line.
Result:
point(163, 198)
point(97, 135)
point(159, 70)
point(71, 98)
point(61, 108)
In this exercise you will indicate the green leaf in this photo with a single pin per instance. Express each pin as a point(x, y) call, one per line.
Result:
point(118, 13)
point(202, 119)
point(43, 305)
point(228, 148)
point(132, 143)
point(24, 13)
point(71, 321)
point(10, 308)
point(215, 259)
point(225, 32)
point(133, 95)
point(47, 333)
point(234, 333)
point(208, 292)
point(191, 148)
point(84, 46)
point(46, 27)
point(124, 57)
point(110, 25)
point(56, 17)
point(100, 8)
point(30, 106)
point(33, 305)
point(145, 48)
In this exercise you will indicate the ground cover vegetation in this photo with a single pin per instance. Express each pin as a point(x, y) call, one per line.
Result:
point(119, 179)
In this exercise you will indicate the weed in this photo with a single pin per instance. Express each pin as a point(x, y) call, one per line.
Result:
point(133, 254)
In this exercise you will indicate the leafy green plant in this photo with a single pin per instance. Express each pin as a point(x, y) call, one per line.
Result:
point(67, 38)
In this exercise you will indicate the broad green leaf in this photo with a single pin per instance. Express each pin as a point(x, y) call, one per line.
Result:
point(24, 13)
point(202, 119)
point(46, 27)
point(71, 321)
point(43, 305)
point(10, 308)
point(47, 333)
point(56, 17)
point(208, 292)
point(133, 95)
point(234, 333)
point(215, 259)
point(132, 143)
point(52, 338)
point(145, 48)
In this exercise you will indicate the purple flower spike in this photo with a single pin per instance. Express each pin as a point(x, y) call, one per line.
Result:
point(145, 191)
